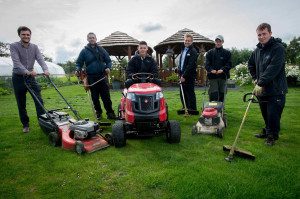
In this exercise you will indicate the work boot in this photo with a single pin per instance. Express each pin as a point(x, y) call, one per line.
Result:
point(99, 116)
point(270, 141)
point(26, 129)
point(111, 116)
point(262, 134)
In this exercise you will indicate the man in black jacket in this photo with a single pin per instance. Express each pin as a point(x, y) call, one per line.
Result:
point(141, 63)
point(267, 68)
point(187, 72)
point(217, 65)
point(98, 64)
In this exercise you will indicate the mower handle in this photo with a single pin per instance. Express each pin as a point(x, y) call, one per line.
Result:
point(253, 98)
point(139, 76)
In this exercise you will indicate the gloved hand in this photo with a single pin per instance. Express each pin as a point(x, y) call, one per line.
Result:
point(254, 82)
point(257, 90)
point(77, 73)
point(107, 70)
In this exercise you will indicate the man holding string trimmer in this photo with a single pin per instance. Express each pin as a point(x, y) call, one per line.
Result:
point(98, 64)
point(267, 68)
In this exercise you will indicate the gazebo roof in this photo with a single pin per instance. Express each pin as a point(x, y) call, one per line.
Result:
point(176, 41)
point(117, 44)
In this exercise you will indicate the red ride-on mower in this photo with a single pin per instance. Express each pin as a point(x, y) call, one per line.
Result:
point(143, 112)
point(62, 130)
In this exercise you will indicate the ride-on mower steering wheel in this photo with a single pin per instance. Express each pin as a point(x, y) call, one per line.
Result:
point(143, 77)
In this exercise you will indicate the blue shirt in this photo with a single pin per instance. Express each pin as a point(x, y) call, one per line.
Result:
point(183, 57)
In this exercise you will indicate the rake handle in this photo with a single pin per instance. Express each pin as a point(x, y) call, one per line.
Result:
point(239, 131)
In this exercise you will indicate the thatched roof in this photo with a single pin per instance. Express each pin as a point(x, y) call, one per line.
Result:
point(176, 41)
point(117, 44)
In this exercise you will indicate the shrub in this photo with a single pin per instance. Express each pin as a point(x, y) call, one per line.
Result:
point(173, 78)
point(242, 75)
point(292, 72)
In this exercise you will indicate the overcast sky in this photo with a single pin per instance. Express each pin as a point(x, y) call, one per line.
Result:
point(59, 27)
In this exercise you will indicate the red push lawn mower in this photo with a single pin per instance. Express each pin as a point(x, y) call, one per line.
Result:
point(213, 119)
point(81, 135)
point(143, 112)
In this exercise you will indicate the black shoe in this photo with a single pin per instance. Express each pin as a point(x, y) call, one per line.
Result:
point(111, 116)
point(99, 116)
point(270, 141)
point(262, 134)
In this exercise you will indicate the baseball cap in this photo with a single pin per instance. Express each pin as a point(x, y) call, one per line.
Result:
point(219, 37)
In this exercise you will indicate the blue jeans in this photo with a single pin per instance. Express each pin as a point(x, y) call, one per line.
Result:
point(271, 108)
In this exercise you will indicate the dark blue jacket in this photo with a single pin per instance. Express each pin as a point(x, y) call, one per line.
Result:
point(218, 59)
point(139, 65)
point(189, 65)
point(95, 66)
point(267, 66)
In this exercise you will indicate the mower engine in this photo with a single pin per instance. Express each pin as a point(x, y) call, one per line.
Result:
point(211, 121)
point(84, 129)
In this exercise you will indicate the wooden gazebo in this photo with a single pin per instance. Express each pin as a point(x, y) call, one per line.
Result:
point(120, 45)
point(173, 44)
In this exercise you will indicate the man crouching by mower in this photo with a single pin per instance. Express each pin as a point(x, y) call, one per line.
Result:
point(142, 62)
point(267, 68)
point(98, 64)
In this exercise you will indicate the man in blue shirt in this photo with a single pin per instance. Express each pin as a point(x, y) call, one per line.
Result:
point(97, 64)
point(187, 72)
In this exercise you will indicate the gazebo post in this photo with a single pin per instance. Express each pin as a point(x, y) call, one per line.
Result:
point(157, 60)
point(160, 59)
point(129, 52)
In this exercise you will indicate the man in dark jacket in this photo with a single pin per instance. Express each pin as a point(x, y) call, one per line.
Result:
point(98, 64)
point(267, 68)
point(141, 62)
point(187, 72)
point(217, 65)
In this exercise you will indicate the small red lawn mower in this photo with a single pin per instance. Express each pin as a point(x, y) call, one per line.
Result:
point(213, 119)
point(143, 112)
point(81, 135)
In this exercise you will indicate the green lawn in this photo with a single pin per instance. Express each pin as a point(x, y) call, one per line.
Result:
point(151, 168)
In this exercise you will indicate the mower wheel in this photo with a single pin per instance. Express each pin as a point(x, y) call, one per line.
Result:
point(54, 139)
point(118, 134)
point(79, 147)
point(220, 133)
point(194, 130)
point(225, 120)
point(109, 138)
point(173, 132)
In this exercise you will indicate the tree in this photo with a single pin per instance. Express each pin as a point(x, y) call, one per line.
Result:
point(46, 58)
point(69, 68)
point(240, 56)
point(4, 49)
point(293, 51)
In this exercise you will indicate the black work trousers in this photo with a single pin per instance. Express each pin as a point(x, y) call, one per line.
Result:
point(189, 96)
point(20, 91)
point(100, 89)
point(271, 108)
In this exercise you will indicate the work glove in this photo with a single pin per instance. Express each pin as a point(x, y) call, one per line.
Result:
point(257, 91)
point(254, 82)
point(107, 71)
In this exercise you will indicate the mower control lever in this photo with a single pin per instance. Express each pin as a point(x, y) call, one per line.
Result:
point(253, 98)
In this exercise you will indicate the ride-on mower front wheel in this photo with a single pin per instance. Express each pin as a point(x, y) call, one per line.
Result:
point(118, 134)
point(173, 132)
point(54, 139)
